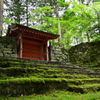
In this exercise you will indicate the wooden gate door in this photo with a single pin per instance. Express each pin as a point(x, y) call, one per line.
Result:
point(31, 50)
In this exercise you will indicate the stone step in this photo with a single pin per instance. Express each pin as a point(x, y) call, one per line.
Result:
point(41, 70)
point(33, 85)
point(68, 70)
point(35, 63)
point(31, 61)
point(27, 86)
point(84, 88)
point(34, 76)
point(86, 81)
point(73, 69)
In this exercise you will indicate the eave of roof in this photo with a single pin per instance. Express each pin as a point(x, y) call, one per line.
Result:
point(18, 25)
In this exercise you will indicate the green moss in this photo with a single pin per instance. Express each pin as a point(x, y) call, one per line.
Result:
point(32, 78)
point(85, 88)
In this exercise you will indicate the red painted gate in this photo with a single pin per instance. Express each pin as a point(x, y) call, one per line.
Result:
point(31, 50)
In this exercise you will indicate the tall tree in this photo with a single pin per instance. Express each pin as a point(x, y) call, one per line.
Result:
point(58, 24)
point(1, 16)
point(29, 5)
point(18, 10)
point(15, 10)
point(27, 14)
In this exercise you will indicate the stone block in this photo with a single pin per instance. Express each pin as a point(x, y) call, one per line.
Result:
point(52, 55)
point(53, 48)
point(1, 46)
point(10, 45)
point(53, 60)
point(55, 51)
point(58, 49)
point(60, 59)
point(1, 49)
point(13, 55)
point(14, 51)
point(7, 49)
point(1, 54)
point(9, 52)
point(7, 55)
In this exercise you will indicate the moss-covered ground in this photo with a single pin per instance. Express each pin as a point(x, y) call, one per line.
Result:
point(21, 78)
point(57, 95)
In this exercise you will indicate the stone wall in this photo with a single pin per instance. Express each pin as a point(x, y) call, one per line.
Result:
point(58, 54)
point(85, 53)
point(8, 47)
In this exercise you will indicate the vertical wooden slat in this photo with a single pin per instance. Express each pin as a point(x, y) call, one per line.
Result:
point(47, 51)
point(21, 46)
point(41, 52)
point(18, 49)
point(17, 45)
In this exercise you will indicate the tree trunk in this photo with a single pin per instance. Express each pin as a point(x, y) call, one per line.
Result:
point(58, 25)
point(1, 16)
point(18, 18)
point(88, 38)
point(27, 12)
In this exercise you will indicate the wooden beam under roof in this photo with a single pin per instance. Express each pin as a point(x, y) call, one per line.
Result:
point(31, 31)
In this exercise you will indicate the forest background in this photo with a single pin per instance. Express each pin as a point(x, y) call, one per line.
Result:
point(74, 21)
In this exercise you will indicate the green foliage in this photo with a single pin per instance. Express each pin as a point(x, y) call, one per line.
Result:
point(7, 21)
point(96, 38)
point(81, 23)
point(78, 22)
point(45, 21)
point(67, 40)
point(96, 0)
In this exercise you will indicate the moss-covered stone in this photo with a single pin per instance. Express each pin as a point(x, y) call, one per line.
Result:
point(85, 53)
point(8, 47)
point(31, 77)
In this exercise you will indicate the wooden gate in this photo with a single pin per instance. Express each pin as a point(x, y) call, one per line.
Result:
point(31, 50)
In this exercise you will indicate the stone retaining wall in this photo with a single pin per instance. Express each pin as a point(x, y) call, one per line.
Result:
point(84, 53)
point(8, 47)
point(58, 54)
